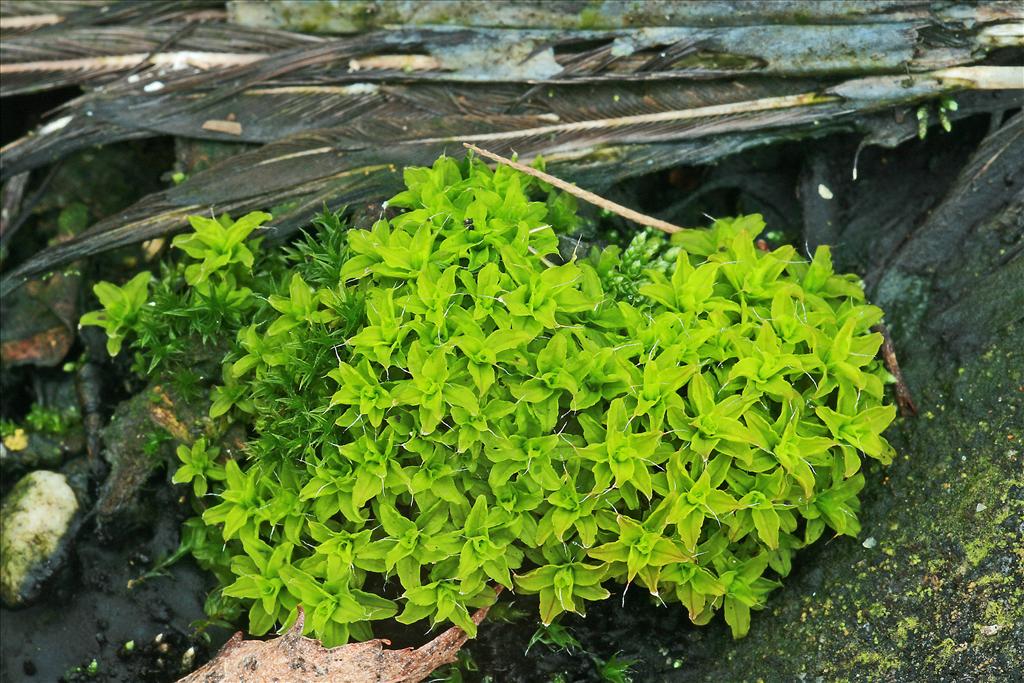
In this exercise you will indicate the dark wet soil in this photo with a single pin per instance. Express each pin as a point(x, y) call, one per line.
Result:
point(89, 613)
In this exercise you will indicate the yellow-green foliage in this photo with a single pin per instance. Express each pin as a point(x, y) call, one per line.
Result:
point(440, 405)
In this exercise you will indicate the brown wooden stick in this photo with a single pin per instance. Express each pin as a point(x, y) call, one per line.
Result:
point(903, 398)
point(589, 197)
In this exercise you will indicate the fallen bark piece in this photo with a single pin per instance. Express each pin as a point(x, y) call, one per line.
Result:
point(293, 657)
point(220, 126)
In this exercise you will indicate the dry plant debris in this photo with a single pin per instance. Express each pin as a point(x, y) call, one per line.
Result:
point(293, 657)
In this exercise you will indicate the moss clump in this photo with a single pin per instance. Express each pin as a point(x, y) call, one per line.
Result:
point(440, 405)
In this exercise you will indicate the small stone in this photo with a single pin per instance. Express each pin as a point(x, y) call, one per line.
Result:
point(869, 542)
point(824, 192)
point(990, 630)
point(36, 520)
point(980, 507)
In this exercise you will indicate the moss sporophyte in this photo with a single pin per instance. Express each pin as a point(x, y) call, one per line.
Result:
point(439, 404)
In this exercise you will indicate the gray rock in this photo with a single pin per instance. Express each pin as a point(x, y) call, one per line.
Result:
point(37, 521)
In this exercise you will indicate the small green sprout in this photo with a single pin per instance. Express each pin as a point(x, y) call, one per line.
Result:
point(121, 307)
point(615, 670)
point(155, 439)
point(945, 105)
point(563, 587)
point(199, 467)
point(555, 636)
point(47, 420)
point(216, 243)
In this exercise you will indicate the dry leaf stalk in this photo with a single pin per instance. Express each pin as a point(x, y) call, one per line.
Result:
point(589, 197)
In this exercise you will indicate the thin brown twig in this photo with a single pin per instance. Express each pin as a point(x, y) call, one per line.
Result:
point(589, 197)
point(903, 398)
